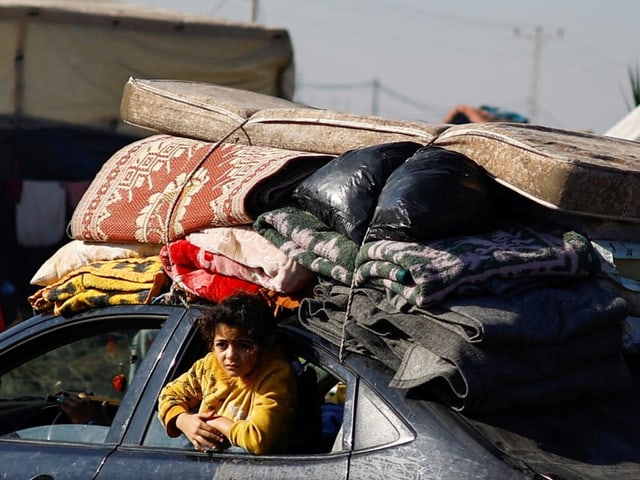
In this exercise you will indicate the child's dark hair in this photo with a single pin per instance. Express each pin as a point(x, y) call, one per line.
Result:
point(246, 311)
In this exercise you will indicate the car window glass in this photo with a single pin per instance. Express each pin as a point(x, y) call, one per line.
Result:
point(89, 365)
point(97, 369)
point(376, 424)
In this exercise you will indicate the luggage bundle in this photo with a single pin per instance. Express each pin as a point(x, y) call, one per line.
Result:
point(494, 263)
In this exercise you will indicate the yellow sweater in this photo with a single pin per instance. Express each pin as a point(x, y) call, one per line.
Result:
point(261, 406)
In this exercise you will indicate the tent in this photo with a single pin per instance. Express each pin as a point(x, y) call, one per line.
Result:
point(628, 127)
point(68, 60)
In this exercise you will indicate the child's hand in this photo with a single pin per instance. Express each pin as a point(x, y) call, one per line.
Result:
point(201, 435)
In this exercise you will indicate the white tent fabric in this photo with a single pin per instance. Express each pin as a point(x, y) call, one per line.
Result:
point(628, 127)
point(68, 60)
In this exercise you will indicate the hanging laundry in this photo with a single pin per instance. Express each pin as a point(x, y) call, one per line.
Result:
point(40, 213)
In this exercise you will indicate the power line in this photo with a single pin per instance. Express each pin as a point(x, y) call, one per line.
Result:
point(338, 86)
point(376, 87)
point(217, 7)
point(407, 100)
point(538, 39)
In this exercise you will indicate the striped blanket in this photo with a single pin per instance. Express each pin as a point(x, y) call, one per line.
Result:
point(310, 242)
point(422, 274)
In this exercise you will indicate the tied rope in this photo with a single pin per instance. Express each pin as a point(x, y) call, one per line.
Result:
point(172, 209)
point(347, 313)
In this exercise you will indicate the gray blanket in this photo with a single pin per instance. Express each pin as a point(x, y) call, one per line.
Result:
point(599, 376)
point(526, 356)
point(547, 314)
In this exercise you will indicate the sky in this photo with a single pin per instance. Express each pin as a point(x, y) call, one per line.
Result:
point(561, 63)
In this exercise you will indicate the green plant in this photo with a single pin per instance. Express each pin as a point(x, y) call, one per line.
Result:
point(634, 79)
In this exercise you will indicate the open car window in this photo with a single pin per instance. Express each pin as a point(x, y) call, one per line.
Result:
point(97, 367)
point(320, 410)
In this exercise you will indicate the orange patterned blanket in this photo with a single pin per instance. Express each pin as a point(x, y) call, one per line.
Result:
point(161, 188)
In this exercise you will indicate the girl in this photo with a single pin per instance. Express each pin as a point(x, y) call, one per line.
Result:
point(243, 392)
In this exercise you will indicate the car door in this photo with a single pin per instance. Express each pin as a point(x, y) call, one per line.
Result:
point(147, 450)
point(89, 354)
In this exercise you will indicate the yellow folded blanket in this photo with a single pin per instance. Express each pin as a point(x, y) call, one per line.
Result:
point(111, 282)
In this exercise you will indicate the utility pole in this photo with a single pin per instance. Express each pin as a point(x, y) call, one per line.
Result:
point(254, 10)
point(538, 40)
point(375, 100)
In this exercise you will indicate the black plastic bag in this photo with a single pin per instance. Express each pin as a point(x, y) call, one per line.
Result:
point(435, 194)
point(344, 192)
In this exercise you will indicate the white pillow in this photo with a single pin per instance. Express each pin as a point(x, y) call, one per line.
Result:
point(78, 253)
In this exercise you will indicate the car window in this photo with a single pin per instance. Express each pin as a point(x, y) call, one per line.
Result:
point(376, 423)
point(97, 369)
point(320, 410)
point(319, 416)
point(87, 365)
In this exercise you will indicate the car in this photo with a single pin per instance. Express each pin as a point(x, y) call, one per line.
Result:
point(121, 356)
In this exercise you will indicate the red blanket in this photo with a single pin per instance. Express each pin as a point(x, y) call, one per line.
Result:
point(194, 270)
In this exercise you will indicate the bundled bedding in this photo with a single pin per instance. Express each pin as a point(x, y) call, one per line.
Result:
point(414, 249)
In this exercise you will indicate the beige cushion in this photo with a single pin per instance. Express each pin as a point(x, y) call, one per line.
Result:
point(566, 171)
point(77, 253)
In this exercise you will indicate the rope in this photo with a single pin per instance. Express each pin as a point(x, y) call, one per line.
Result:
point(170, 216)
point(347, 313)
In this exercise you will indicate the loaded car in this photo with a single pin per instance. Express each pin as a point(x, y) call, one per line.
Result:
point(471, 299)
point(385, 433)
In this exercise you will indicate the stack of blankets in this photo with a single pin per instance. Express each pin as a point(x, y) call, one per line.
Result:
point(405, 251)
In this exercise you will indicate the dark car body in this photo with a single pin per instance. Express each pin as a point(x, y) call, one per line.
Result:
point(386, 433)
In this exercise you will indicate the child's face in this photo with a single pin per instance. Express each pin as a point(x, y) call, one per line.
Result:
point(235, 351)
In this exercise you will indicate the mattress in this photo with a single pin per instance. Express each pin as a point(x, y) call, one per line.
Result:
point(565, 170)
point(568, 171)
point(215, 113)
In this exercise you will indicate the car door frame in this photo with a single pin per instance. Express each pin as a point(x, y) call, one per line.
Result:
point(132, 455)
